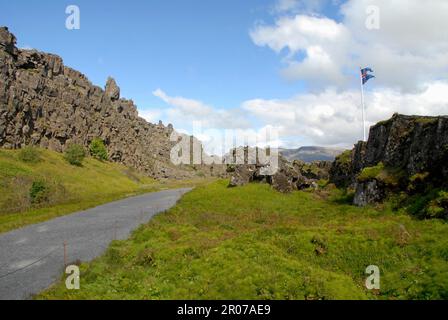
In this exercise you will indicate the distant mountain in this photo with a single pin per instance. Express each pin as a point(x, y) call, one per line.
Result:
point(310, 154)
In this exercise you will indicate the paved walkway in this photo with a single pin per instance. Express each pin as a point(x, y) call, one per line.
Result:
point(32, 258)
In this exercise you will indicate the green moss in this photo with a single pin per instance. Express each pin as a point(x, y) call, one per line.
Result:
point(389, 176)
point(426, 120)
point(370, 173)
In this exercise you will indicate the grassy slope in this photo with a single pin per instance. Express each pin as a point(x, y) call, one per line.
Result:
point(83, 187)
point(254, 243)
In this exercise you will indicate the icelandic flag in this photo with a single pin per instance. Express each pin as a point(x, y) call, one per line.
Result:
point(365, 75)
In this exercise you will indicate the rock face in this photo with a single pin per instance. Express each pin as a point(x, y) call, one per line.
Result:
point(112, 90)
point(46, 104)
point(289, 176)
point(368, 192)
point(405, 146)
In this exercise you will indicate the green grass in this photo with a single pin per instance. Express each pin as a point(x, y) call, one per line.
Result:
point(72, 188)
point(254, 243)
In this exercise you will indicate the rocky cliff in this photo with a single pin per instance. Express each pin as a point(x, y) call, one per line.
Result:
point(398, 153)
point(47, 104)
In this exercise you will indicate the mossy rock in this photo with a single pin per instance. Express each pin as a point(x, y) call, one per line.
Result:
point(387, 175)
point(345, 157)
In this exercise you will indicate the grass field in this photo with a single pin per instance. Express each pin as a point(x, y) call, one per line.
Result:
point(70, 188)
point(254, 243)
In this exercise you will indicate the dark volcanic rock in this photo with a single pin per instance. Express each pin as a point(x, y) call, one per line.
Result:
point(112, 90)
point(368, 192)
point(347, 165)
point(316, 170)
point(46, 104)
point(286, 179)
point(8, 41)
point(409, 145)
point(414, 143)
point(243, 174)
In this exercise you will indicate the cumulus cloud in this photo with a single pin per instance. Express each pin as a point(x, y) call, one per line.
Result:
point(150, 115)
point(186, 111)
point(409, 54)
point(328, 118)
point(409, 48)
point(334, 118)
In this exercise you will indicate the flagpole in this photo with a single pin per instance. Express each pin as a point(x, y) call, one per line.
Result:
point(363, 108)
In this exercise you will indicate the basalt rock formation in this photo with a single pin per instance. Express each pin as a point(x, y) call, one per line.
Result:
point(399, 152)
point(44, 103)
point(288, 177)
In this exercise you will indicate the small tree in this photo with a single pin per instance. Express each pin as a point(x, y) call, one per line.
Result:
point(98, 149)
point(75, 154)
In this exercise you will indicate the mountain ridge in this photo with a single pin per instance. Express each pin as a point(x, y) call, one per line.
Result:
point(311, 153)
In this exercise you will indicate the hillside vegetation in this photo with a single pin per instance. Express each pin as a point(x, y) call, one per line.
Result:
point(37, 185)
point(254, 243)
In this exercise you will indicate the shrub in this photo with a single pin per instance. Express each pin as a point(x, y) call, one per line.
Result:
point(432, 204)
point(29, 154)
point(98, 149)
point(438, 208)
point(200, 174)
point(39, 192)
point(75, 154)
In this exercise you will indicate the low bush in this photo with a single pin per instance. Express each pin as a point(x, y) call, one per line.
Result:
point(39, 192)
point(75, 154)
point(438, 207)
point(29, 154)
point(98, 149)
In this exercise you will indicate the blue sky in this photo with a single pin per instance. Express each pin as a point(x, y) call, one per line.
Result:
point(290, 64)
point(192, 48)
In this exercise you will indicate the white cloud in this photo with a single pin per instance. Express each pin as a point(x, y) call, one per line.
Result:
point(320, 40)
point(327, 118)
point(409, 54)
point(26, 47)
point(185, 111)
point(411, 46)
point(150, 115)
point(334, 118)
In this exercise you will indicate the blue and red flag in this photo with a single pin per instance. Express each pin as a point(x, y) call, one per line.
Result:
point(366, 76)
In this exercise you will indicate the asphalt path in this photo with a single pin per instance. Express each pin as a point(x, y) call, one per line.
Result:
point(32, 258)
